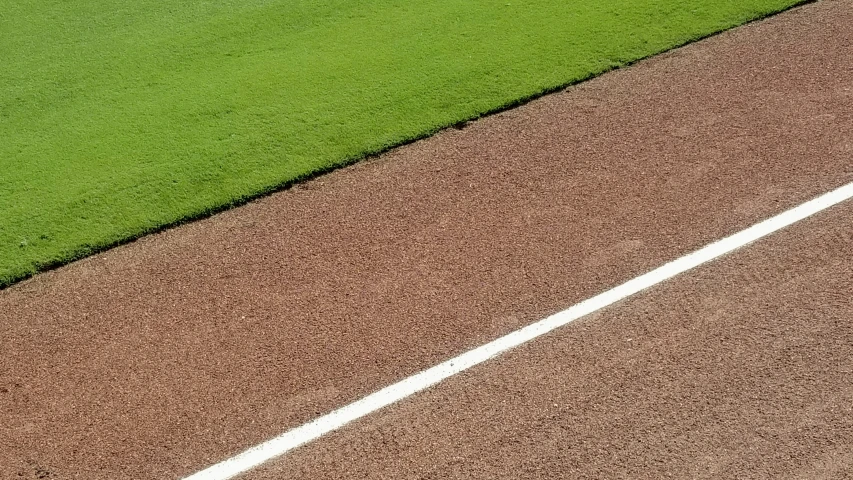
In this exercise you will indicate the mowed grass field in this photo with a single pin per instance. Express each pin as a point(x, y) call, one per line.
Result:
point(119, 118)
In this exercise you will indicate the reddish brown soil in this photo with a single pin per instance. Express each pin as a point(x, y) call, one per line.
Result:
point(162, 356)
point(728, 372)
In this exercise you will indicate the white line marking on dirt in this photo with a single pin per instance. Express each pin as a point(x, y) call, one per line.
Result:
point(318, 427)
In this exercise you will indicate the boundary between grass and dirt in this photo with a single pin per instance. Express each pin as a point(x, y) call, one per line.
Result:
point(84, 251)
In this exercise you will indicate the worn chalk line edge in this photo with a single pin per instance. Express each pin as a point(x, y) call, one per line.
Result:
point(320, 426)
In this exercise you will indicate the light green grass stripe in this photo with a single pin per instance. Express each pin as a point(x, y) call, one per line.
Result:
point(119, 118)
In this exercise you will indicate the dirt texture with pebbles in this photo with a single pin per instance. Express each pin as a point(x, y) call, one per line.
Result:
point(729, 372)
point(160, 357)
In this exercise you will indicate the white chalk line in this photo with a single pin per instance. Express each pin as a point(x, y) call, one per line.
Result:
point(320, 426)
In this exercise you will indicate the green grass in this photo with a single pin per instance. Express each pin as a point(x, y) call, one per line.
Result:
point(119, 118)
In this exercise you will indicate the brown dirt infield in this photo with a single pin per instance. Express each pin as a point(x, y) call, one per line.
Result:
point(160, 357)
point(729, 372)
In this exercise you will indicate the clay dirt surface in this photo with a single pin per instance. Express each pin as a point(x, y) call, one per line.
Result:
point(161, 357)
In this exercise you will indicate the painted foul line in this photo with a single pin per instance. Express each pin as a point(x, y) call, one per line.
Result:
point(318, 427)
